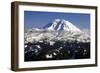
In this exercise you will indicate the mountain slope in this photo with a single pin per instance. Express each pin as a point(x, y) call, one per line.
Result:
point(57, 30)
point(59, 25)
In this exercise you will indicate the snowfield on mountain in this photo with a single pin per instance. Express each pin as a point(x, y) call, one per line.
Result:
point(59, 39)
point(58, 29)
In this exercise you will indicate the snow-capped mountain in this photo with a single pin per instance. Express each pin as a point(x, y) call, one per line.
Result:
point(59, 25)
point(59, 29)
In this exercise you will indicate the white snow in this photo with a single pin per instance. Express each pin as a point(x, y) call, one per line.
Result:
point(54, 54)
point(54, 24)
point(38, 46)
point(69, 32)
point(49, 56)
point(25, 46)
point(52, 42)
point(67, 26)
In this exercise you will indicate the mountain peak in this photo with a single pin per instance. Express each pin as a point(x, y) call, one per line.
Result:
point(65, 31)
point(57, 20)
point(61, 24)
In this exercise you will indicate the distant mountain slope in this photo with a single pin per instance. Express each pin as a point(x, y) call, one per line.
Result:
point(59, 25)
point(59, 29)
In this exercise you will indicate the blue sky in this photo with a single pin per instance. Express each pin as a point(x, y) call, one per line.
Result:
point(40, 19)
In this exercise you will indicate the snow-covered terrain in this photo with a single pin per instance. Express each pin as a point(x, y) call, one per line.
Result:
point(59, 39)
point(62, 25)
point(58, 29)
